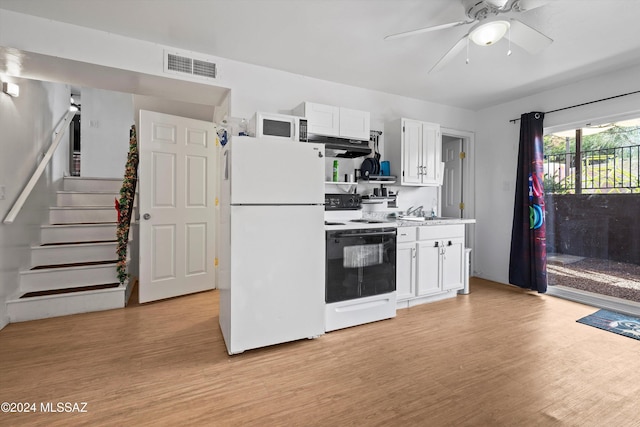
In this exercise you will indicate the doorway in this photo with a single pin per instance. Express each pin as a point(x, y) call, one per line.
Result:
point(457, 193)
point(452, 198)
point(74, 145)
point(592, 194)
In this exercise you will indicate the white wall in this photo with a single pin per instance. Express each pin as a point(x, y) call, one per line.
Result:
point(169, 106)
point(107, 117)
point(497, 154)
point(254, 88)
point(26, 128)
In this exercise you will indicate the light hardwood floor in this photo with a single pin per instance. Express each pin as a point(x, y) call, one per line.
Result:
point(499, 356)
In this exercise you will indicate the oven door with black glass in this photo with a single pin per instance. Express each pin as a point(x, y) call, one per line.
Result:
point(360, 263)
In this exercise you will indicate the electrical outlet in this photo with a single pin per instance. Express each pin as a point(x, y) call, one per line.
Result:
point(2, 192)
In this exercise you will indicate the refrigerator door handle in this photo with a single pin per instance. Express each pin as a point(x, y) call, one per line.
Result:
point(226, 165)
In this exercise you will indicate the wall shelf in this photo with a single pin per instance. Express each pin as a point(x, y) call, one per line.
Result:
point(378, 179)
point(341, 182)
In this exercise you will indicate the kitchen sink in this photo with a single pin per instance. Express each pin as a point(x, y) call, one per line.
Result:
point(424, 219)
point(440, 218)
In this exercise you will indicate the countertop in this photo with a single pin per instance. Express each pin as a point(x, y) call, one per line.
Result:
point(436, 221)
point(382, 216)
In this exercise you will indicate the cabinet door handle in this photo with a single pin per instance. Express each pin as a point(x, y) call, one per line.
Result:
point(226, 165)
point(413, 251)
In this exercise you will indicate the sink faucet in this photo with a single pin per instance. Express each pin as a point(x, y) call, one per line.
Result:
point(415, 212)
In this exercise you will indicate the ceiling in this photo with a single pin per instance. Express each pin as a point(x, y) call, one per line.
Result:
point(342, 40)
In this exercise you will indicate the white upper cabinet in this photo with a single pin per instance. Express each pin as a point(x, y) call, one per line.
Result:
point(340, 122)
point(414, 149)
point(322, 119)
point(355, 124)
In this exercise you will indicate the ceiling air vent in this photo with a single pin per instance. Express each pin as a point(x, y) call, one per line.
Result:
point(178, 63)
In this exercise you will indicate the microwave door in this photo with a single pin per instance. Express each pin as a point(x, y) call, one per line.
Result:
point(278, 127)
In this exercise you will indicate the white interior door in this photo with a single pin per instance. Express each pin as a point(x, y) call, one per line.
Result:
point(452, 184)
point(177, 205)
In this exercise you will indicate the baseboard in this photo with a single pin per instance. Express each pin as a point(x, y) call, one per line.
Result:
point(130, 285)
point(4, 317)
point(596, 300)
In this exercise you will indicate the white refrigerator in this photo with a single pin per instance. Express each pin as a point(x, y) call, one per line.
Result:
point(271, 242)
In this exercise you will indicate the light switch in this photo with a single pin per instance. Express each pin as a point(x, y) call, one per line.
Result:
point(2, 192)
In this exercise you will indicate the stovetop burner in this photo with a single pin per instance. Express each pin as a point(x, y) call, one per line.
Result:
point(367, 221)
point(333, 223)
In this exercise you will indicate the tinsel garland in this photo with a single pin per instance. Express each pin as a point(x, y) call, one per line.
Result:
point(125, 204)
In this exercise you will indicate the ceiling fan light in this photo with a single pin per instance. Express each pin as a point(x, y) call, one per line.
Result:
point(489, 32)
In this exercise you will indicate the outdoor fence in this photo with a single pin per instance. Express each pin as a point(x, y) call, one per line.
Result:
point(603, 171)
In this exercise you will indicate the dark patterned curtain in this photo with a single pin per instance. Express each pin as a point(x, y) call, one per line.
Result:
point(528, 261)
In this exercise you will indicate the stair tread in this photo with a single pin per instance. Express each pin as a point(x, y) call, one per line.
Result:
point(79, 224)
point(77, 264)
point(69, 290)
point(84, 223)
point(86, 192)
point(92, 178)
point(88, 242)
point(89, 207)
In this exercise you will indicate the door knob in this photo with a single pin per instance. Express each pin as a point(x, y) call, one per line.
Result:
point(146, 216)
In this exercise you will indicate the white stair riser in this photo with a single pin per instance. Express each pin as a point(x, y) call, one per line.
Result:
point(86, 199)
point(22, 310)
point(89, 184)
point(79, 215)
point(59, 278)
point(71, 233)
point(51, 255)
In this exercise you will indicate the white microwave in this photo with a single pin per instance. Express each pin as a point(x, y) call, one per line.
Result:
point(281, 126)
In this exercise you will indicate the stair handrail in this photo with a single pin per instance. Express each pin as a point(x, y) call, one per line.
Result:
point(124, 205)
point(30, 185)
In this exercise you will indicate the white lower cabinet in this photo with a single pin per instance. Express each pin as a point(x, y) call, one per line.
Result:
point(406, 263)
point(405, 270)
point(429, 263)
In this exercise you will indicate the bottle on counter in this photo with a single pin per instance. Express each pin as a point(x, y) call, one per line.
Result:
point(335, 171)
point(243, 128)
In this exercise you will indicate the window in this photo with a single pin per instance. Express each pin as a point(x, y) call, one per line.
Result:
point(599, 159)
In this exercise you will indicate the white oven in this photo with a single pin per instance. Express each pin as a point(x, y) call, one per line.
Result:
point(360, 270)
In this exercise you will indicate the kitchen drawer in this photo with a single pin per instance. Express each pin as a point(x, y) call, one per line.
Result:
point(439, 231)
point(406, 234)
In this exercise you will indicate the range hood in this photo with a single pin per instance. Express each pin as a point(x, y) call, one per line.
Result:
point(342, 147)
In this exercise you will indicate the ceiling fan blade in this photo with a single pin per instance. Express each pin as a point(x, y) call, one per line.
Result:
point(524, 5)
point(426, 30)
point(449, 55)
point(530, 39)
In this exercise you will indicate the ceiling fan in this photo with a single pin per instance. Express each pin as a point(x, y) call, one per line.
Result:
point(489, 27)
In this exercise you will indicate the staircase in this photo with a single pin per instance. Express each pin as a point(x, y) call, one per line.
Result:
point(73, 270)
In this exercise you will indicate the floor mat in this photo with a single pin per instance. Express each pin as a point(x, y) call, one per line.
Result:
point(611, 321)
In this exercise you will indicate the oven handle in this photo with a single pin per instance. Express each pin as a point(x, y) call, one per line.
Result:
point(379, 233)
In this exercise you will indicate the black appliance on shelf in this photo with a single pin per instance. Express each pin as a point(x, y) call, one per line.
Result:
point(342, 201)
